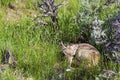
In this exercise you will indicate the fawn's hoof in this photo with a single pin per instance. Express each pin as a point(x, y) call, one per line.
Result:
point(68, 70)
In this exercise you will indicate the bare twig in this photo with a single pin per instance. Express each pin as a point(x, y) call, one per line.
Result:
point(50, 9)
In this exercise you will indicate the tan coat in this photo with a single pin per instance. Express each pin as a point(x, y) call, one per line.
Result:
point(82, 51)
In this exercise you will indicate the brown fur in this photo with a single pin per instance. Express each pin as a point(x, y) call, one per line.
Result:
point(82, 51)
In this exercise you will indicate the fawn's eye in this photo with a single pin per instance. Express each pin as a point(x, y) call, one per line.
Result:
point(74, 56)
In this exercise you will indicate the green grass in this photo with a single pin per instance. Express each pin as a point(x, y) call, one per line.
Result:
point(37, 48)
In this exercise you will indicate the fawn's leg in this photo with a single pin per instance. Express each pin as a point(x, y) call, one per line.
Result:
point(70, 58)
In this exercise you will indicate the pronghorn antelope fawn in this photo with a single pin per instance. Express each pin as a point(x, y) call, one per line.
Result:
point(82, 51)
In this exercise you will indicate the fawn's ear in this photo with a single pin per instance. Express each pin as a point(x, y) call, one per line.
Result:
point(63, 46)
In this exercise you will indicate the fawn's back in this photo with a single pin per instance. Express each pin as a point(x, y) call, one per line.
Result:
point(88, 53)
point(83, 52)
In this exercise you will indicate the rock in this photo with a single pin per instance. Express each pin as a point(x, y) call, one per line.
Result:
point(108, 74)
point(8, 58)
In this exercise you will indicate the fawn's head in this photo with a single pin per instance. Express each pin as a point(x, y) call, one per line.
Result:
point(69, 50)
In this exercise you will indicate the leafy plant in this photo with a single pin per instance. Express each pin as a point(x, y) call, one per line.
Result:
point(98, 34)
point(108, 2)
point(88, 10)
point(113, 44)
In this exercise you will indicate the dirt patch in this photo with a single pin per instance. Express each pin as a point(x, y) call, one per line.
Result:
point(15, 15)
point(15, 11)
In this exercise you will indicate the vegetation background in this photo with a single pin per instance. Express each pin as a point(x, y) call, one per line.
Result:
point(36, 47)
